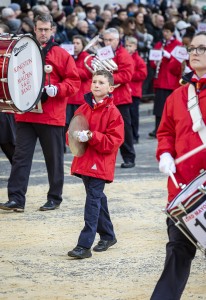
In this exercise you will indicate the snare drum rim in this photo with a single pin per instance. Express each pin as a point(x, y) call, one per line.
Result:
point(43, 73)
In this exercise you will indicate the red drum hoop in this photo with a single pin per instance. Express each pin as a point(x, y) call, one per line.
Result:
point(188, 211)
point(21, 73)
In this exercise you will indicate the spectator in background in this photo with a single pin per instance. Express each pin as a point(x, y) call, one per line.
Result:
point(139, 75)
point(91, 15)
point(70, 24)
point(155, 27)
point(106, 17)
point(119, 20)
point(16, 8)
point(132, 8)
point(82, 28)
point(9, 19)
point(60, 36)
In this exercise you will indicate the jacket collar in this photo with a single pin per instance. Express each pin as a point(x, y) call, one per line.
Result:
point(89, 96)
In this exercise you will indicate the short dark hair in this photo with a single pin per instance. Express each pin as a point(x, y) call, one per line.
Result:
point(106, 74)
point(43, 18)
point(169, 26)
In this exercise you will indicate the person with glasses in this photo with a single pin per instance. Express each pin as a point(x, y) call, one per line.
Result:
point(47, 126)
point(176, 136)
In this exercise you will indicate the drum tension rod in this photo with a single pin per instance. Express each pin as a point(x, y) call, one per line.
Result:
point(181, 206)
point(6, 55)
point(4, 80)
point(202, 189)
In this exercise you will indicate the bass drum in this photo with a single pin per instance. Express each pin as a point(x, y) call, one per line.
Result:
point(21, 73)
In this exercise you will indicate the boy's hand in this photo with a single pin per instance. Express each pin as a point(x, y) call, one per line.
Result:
point(84, 135)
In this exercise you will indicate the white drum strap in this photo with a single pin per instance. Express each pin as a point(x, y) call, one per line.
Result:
point(195, 113)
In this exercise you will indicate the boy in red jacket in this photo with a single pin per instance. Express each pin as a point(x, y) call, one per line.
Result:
point(139, 75)
point(96, 167)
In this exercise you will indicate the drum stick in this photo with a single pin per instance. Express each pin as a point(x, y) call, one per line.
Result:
point(48, 69)
point(189, 154)
point(173, 179)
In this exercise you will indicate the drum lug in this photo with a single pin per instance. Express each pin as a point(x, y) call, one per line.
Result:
point(4, 80)
point(181, 206)
point(202, 189)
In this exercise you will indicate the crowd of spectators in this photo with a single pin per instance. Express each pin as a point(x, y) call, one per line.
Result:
point(143, 20)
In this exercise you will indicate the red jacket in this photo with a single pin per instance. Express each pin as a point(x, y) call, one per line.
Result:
point(139, 75)
point(65, 76)
point(166, 80)
point(123, 76)
point(175, 135)
point(86, 80)
point(107, 127)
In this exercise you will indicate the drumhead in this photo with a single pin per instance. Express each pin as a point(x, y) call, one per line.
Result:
point(188, 191)
point(25, 74)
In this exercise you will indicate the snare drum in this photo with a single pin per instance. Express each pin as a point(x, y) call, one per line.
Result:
point(21, 73)
point(188, 211)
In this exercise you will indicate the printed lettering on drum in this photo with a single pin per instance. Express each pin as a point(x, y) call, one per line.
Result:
point(196, 223)
point(25, 74)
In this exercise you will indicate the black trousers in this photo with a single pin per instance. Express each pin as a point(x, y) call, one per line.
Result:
point(51, 141)
point(179, 255)
point(96, 213)
point(127, 148)
point(134, 111)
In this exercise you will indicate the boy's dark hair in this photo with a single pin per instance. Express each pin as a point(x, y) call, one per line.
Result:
point(169, 26)
point(106, 74)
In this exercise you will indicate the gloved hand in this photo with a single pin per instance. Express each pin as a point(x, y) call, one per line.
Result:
point(167, 163)
point(166, 54)
point(51, 90)
point(84, 135)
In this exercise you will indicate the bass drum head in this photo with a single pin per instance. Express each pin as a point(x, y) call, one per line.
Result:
point(25, 74)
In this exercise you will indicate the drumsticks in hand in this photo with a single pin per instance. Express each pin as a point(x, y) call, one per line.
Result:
point(184, 157)
point(48, 69)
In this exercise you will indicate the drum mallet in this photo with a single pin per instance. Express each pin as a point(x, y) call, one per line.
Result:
point(48, 69)
point(189, 154)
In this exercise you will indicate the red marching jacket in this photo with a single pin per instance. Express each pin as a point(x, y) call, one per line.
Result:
point(107, 127)
point(139, 75)
point(86, 79)
point(175, 135)
point(123, 76)
point(65, 76)
point(165, 80)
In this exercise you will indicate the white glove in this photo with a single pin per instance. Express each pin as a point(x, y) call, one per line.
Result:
point(84, 135)
point(166, 54)
point(51, 90)
point(167, 163)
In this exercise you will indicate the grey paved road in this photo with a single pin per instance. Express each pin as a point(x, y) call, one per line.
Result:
point(146, 165)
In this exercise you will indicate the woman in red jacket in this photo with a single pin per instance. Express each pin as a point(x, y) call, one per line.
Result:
point(177, 135)
point(164, 82)
point(96, 166)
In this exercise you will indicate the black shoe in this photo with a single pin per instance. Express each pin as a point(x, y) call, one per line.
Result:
point(80, 252)
point(12, 205)
point(153, 134)
point(49, 205)
point(128, 164)
point(104, 245)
